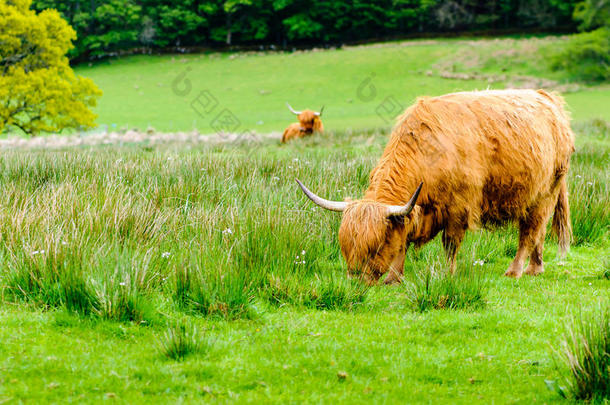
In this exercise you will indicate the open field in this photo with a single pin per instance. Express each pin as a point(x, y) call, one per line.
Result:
point(188, 272)
point(98, 242)
point(353, 83)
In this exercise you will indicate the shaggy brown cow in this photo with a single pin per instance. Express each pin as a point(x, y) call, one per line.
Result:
point(309, 123)
point(484, 158)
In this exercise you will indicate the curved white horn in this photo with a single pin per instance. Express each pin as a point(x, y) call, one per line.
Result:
point(338, 206)
point(292, 110)
point(319, 114)
point(402, 210)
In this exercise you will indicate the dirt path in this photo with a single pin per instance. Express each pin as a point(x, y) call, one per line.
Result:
point(113, 138)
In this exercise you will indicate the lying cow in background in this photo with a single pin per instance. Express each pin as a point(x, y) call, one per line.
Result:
point(309, 123)
point(483, 158)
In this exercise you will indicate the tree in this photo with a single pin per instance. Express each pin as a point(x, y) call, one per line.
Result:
point(112, 26)
point(592, 14)
point(39, 92)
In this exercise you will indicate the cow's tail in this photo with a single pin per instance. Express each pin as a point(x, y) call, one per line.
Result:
point(561, 219)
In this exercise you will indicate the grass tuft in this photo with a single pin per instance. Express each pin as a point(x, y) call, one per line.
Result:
point(438, 289)
point(78, 296)
point(586, 352)
point(182, 340)
point(123, 302)
point(215, 294)
point(326, 292)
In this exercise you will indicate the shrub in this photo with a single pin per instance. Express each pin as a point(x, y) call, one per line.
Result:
point(585, 351)
point(436, 289)
point(585, 56)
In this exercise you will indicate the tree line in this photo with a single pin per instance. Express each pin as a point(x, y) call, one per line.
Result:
point(107, 27)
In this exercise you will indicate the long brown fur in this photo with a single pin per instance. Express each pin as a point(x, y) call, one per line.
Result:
point(485, 158)
point(309, 123)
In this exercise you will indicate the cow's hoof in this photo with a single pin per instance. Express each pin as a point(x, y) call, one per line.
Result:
point(391, 280)
point(512, 274)
point(534, 270)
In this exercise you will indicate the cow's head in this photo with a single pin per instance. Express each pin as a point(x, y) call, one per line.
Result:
point(310, 120)
point(372, 235)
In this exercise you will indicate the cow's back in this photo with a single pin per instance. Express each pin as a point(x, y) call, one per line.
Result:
point(486, 156)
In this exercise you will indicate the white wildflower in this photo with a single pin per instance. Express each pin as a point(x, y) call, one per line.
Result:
point(38, 252)
point(589, 183)
point(303, 252)
point(478, 262)
point(123, 283)
point(227, 231)
point(578, 176)
point(165, 254)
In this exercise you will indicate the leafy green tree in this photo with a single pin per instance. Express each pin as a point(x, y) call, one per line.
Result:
point(174, 23)
point(592, 14)
point(115, 26)
point(586, 56)
point(105, 27)
point(39, 92)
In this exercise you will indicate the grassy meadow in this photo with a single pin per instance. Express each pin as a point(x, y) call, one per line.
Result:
point(360, 87)
point(195, 273)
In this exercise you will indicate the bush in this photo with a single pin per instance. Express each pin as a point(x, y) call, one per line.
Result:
point(585, 56)
point(586, 352)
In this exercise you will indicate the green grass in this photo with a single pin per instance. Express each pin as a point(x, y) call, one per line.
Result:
point(182, 340)
point(436, 288)
point(139, 238)
point(353, 83)
point(190, 273)
point(586, 351)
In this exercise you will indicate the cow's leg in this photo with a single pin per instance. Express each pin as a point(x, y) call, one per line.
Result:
point(536, 266)
point(531, 238)
point(396, 269)
point(526, 242)
point(452, 239)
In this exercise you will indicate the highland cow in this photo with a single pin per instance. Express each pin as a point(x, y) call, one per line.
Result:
point(457, 162)
point(309, 123)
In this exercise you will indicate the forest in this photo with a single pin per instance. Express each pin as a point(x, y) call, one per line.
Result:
point(109, 27)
